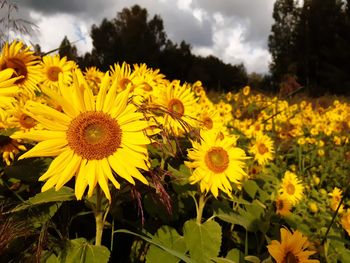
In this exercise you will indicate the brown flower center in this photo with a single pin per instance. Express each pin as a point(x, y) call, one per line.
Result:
point(290, 189)
point(262, 149)
point(147, 87)
point(279, 204)
point(176, 108)
point(52, 73)
point(94, 135)
point(208, 123)
point(123, 83)
point(19, 67)
point(217, 159)
point(26, 121)
point(290, 258)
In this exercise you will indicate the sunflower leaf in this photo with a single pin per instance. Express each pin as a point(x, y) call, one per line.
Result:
point(202, 240)
point(168, 237)
point(80, 250)
point(64, 194)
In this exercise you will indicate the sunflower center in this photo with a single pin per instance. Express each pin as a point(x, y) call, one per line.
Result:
point(208, 123)
point(290, 189)
point(26, 121)
point(123, 83)
point(19, 67)
point(262, 149)
point(147, 87)
point(290, 258)
point(94, 135)
point(176, 107)
point(217, 159)
point(52, 73)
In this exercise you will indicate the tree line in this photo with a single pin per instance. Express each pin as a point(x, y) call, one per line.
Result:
point(310, 42)
point(134, 38)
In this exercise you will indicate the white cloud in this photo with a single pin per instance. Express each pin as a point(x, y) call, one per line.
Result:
point(53, 28)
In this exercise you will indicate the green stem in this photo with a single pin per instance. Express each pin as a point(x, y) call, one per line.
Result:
point(201, 204)
point(98, 217)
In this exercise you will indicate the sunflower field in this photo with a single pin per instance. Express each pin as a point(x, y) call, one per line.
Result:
point(129, 166)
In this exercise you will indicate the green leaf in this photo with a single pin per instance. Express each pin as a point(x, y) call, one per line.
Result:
point(80, 250)
point(252, 259)
point(235, 255)
point(64, 194)
point(202, 240)
point(156, 243)
point(250, 187)
point(168, 237)
point(222, 260)
point(249, 218)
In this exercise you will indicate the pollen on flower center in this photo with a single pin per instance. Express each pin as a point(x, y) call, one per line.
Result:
point(52, 73)
point(208, 123)
point(176, 107)
point(290, 189)
point(26, 121)
point(262, 148)
point(217, 159)
point(19, 67)
point(94, 135)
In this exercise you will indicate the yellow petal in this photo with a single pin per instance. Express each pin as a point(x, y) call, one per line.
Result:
point(69, 171)
point(81, 181)
point(119, 168)
point(102, 181)
point(39, 135)
point(46, 148)
point(57, 165)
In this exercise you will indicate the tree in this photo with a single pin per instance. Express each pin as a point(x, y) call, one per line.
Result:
point(68, 50)
point(282, 40)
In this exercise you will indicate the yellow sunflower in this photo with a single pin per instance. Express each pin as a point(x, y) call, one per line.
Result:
point(262, 149)
point(336, 197)
point(345, 221)
point(179, 103)
point(294, 247)
point(52, 66)
point(123, 75)
point(283, 206)
point(216, 163)
point(291, 188)
point(24, 63)
point(8, 88)
point(9, 148)
point(93, 77)
point(94, 139)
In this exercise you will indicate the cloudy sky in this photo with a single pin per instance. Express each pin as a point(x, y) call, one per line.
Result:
point(236, 31)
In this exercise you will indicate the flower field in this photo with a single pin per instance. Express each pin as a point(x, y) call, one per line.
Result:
point(129, 166)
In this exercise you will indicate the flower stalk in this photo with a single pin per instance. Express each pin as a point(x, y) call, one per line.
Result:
point(99, 217)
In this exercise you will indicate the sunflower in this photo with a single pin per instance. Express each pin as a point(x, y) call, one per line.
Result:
point(246, 90)
point(294, 247)
point(291, 188)
point(345, 221)
point(283, 206)
point(210, 120)
point(8, 88)
point(216, 163)
point(9, 148)
point(179, 103)
point(24, 64)
point(262, 149)
point(53, 66)
point(336, 197)
point(123, 75)
point(93, 77)
point(92, 139)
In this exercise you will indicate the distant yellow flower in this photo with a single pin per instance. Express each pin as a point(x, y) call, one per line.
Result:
point(313, 207)
point(283, 206)
point(336, 197)
point(320, 152)
point(91, 137)
point(180, 111)
point(9, 148)
point(345, 221)
point(291, 188)
point(53, 66)
point(246, 90)
point(24, 63)
point(216, 163)
point(293, 247)
point(262, 149)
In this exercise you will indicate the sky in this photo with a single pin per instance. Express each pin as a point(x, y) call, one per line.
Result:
point(236, 31)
